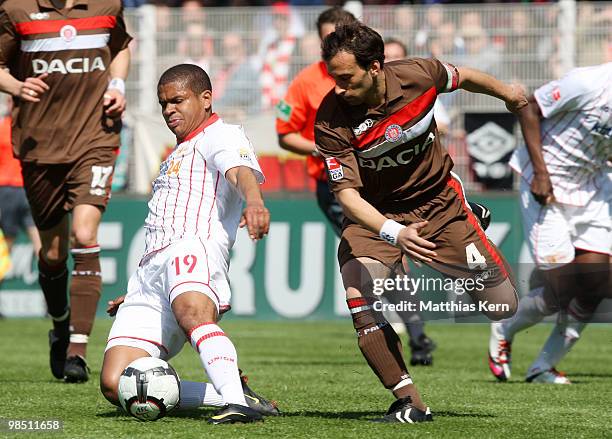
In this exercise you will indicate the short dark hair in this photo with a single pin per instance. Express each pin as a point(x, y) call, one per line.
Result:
point(392, 40)
point(194, 76)
point(335, 15)
point(362, 41)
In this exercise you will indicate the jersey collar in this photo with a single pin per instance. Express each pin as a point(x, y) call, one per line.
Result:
point(394, 87)
point(212, 119)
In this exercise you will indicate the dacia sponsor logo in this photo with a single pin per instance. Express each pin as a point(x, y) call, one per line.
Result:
point(72, 65)
point(402, 158)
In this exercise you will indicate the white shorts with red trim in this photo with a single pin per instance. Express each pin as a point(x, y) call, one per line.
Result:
point(145, 319)
point(554, 232)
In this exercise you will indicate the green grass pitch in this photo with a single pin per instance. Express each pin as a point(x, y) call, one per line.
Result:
point(324, 388)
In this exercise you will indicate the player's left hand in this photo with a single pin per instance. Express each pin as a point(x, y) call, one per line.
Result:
point(113, 305)
point(256, 218)
point(114, 103)
point(517, 98)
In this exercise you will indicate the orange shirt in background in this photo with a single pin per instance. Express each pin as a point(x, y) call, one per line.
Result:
point(10, 169)
point(297, 112)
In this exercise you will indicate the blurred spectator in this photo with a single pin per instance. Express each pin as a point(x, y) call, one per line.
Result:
point(276, 49)
point(307, 52)
point(192, 11)
point(395, 49)
point(480, 53)
point(434, 17)
point(236, 91)
point(519, 48)
point(594, 39)
point(445, 43)
point(471, 20)
point(195, 47)
point(403, 26)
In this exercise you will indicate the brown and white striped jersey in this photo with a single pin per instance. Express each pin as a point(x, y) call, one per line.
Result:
point(75, 47)
point(392, 153)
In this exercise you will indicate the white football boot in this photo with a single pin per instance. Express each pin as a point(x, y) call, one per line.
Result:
point(500, 349)
point(549, 376)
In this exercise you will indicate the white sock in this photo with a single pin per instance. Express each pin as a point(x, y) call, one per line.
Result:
point(194, 395)
point(220, 361)
point(563, 337)
point(531, 310)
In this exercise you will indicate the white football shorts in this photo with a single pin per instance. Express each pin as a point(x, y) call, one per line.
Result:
point(145, 319)
point(555, 231)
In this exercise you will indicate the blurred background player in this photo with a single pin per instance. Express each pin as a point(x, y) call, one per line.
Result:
point(567, 218)
point(15, 216)
point(394, 182)
point(65, 132)
point(181, 286)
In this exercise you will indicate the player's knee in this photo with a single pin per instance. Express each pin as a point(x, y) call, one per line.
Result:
point(53, 255)
point(84, 236)
point(109, 386)
point(192, 308)
point(501, 310)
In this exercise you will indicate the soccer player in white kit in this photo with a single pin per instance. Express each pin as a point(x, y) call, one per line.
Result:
point(565, 198)
point(181, 287)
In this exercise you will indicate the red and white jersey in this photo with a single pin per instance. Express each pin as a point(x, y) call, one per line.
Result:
point(576, 133)
point(191, 196)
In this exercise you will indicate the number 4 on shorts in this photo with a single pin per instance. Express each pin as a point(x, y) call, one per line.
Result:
point(474, 258)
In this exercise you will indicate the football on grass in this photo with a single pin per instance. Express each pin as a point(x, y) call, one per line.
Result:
point(149, 388)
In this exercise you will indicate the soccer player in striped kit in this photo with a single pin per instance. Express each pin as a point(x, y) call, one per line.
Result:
point(565, 201)
point(65, 62)
point(181, 287)
point(389, 172)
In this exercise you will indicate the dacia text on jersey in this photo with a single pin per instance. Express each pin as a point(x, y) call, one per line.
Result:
point(72, 65)
point(404, 157)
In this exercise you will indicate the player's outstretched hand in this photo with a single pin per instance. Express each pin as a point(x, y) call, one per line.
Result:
point(31, 89)
point(542, 190)
point(517, 98)
point(256, 218)
point(114, 103)
point(113, 305)
point(413, 245)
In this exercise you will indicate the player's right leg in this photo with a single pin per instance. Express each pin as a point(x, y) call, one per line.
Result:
point(378, 342)
point(53, 280)
point(196, 314)
point(548, 235)
point(46, 193)
point(587, 287)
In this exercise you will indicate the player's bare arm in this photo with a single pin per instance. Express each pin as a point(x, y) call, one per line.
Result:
point(114, 97)
point(405, 237)
point(529, 118)
point(476, 81)
point(255, 215)
point(28, 90)
point(297, 143)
